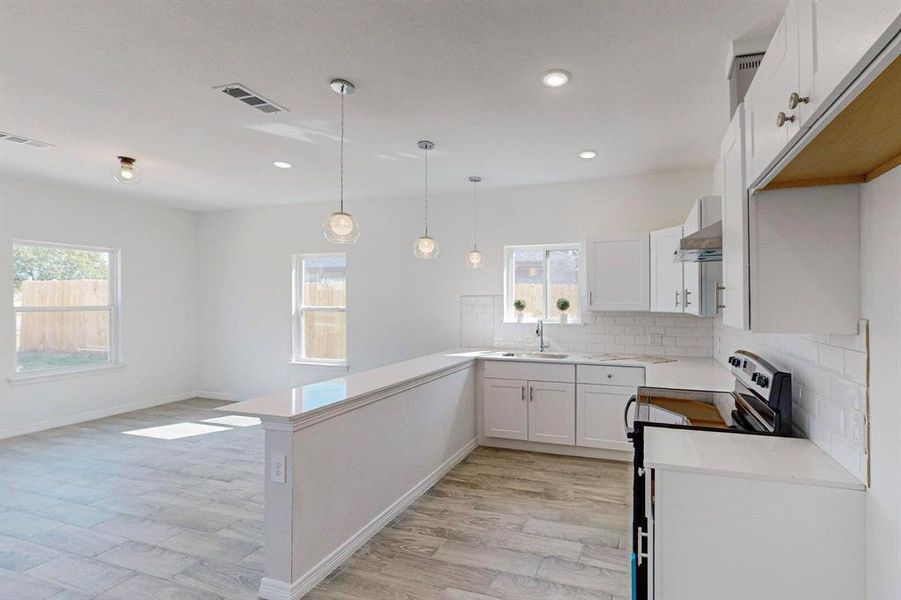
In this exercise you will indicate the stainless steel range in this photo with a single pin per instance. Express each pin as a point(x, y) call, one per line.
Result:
point(759, 404)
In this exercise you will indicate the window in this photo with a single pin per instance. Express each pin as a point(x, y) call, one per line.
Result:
point(539, 276)
point(65, 300)
point(320, 308)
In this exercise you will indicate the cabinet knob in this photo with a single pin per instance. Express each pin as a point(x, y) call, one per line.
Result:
point(609, 376)
point(795, 99)
point(782, 119)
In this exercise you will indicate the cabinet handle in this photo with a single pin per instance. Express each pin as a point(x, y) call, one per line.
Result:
point(795, 99)
point(522, 394)
point(589, 298)
point(685, 295)
point(717, 296)
point(531, 392)
point(677, 297)
point(782, 119)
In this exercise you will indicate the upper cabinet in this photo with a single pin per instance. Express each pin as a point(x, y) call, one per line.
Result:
point(822, 108)
point(619, 272)
point(666, 274)
point(734, 301)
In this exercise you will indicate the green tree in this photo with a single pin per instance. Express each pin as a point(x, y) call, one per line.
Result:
point(47, 263)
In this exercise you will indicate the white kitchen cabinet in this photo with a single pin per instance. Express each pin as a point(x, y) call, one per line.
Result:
point(666, 273)
point(734, 299)
point(599, 416)
point(834, 36)
point(767, 97)
point(552, 417)
point(505, 413)
point(619, 273)
point(700, 279)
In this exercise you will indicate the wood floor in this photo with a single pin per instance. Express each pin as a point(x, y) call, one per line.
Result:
point(89, 511)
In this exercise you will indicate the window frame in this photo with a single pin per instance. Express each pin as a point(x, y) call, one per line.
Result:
point(509, 297)
point(298, 309)
point(112, 307)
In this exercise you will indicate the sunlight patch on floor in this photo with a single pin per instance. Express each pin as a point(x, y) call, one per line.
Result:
point(234, 421)
point(175, 431)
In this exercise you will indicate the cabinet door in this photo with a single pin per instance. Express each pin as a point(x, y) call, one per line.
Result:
point(552, 412)
point(734, 291)
point(619, 272)
point(775, 80)
point(666, 275)
point(835, 37)
point(505, 413)
point(599, 416)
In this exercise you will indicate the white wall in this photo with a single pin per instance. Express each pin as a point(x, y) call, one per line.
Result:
point(398, 306)
point(158, 310)
point(881, 304)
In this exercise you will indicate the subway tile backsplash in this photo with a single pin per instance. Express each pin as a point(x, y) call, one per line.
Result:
point(482, 326)
point(829, 381)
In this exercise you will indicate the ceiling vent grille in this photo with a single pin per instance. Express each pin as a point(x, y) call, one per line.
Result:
point(250, 98)
point(23, 141)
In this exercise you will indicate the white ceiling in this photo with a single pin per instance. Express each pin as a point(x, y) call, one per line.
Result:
point(99, 79)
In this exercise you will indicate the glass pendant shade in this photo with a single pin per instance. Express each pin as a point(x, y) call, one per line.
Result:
point(426, 248)
point(475, 260)
point(341, 228)
point(126, 171)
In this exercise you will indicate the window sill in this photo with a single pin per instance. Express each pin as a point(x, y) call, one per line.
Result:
point(320, 363)
point(45, 376)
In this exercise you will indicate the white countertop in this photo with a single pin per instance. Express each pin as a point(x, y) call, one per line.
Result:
point(308, 401)
point(772, 458)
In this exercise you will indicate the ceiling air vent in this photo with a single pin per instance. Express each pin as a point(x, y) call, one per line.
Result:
point(249, 97)
point(24, 141)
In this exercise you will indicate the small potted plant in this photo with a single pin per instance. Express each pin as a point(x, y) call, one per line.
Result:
point(519, 305)
point(563, 306)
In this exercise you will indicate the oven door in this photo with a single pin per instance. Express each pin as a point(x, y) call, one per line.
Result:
point(640, 566)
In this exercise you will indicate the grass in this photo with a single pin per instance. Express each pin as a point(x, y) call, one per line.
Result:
point(41, 361)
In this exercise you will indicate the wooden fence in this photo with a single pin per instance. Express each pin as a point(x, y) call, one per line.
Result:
point(64, 331)
point(325, 333)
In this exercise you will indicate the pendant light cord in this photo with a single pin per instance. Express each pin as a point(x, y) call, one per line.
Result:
point(427, 192)
point(343, 91)
point(475, 245)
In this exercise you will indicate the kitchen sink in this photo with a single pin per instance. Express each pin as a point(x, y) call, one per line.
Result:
point(541, 355)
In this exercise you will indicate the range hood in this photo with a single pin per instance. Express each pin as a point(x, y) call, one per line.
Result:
point(705, 245)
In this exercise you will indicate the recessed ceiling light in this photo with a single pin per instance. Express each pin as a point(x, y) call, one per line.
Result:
point(587, 154)
point(282, 164)
point(555, 78)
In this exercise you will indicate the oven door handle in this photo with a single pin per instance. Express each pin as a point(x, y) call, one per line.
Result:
point(631, 401)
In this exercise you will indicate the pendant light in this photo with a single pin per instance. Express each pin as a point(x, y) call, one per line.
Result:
point(426, 248)
point(126, 171)
point(340, 227)
point(474, 259)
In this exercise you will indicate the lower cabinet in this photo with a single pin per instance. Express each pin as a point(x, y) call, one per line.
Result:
point(537, 411)
point(599, 416)
point(504, 410)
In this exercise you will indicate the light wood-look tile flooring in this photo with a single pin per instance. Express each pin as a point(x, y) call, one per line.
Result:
point(89, 512)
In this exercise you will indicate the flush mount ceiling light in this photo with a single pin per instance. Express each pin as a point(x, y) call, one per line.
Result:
point(587, 154)
point(127, 171)
point(340, 227)
point(426, 248)
point(474, 258)
point(282, 164)
point(554, 78)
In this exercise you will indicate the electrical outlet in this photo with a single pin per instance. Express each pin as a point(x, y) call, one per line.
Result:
point(655, 339)
point(277, 468)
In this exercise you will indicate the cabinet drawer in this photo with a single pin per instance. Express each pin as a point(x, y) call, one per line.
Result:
point(530, 371)
point(603, 375)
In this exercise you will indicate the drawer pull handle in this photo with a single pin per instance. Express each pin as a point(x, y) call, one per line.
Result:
point(609, 375)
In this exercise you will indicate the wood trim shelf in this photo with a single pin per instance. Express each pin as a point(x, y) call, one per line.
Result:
point(861, 143)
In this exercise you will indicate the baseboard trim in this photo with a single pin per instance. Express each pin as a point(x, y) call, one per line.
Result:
point(209, 395)
point(602, 453)
point(273, 589)
point(96, 414)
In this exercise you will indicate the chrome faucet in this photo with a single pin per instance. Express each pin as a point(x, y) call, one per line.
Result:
point(539, 331)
